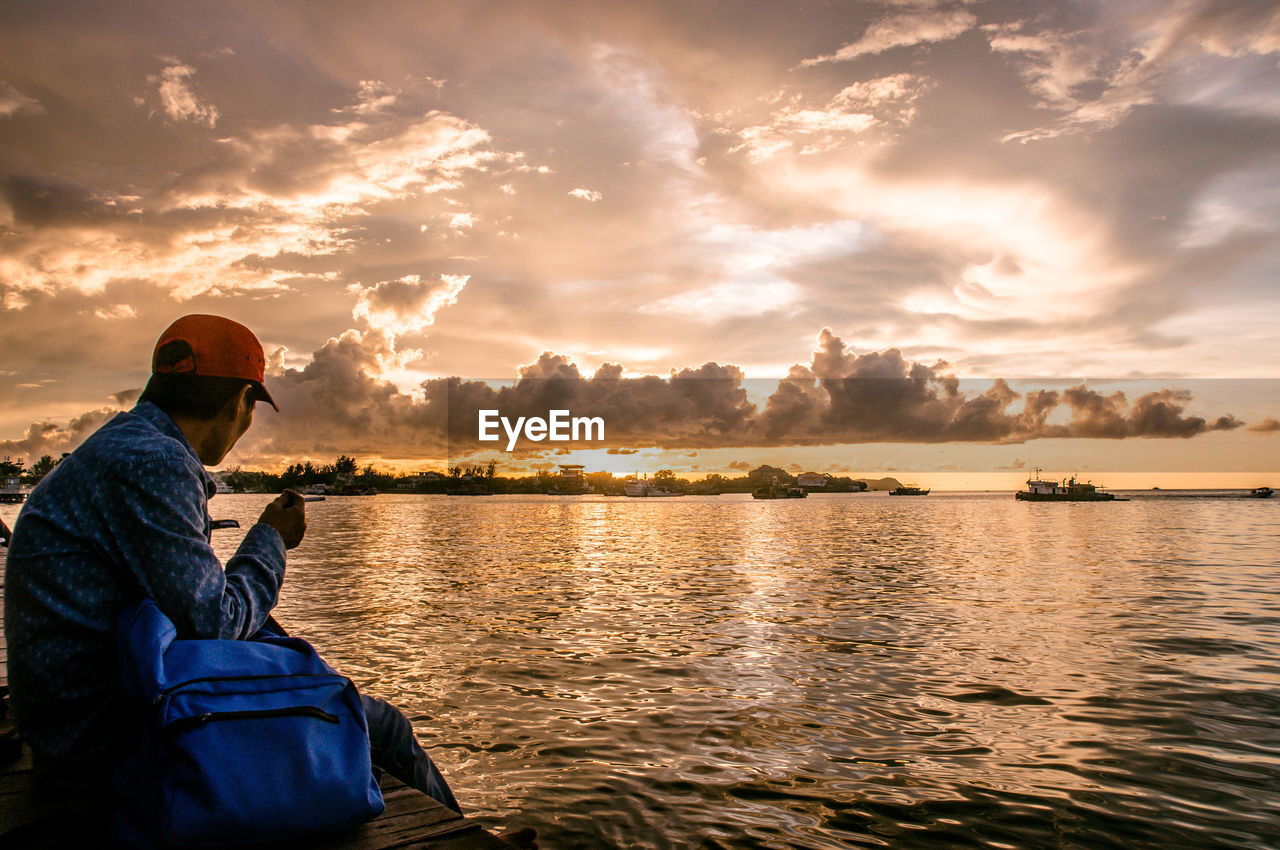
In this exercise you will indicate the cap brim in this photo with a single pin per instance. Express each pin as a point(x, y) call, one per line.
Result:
point(260, 394)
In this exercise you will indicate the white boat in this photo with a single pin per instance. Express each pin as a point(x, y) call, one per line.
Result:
point(1070, 490)
point(640, 488)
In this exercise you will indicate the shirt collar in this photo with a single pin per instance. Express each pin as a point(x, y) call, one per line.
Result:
point(163, 423)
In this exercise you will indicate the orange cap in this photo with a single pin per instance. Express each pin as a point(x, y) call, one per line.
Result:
point(219, 348)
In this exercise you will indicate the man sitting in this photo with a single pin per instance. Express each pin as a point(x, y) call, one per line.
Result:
point(124, 517)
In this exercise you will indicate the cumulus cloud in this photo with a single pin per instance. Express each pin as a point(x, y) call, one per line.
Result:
point(1153, 414)
point(902, 30)
point(588, 195)
point(839, 397)
point(333, 406)
point(1270, 425)
point(49, 438)
point(13, 101)
point(408, 304)
point(337, 404)
point(179, 101)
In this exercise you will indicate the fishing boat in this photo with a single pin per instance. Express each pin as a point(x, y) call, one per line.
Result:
point(642, 489)
point(11, 489)
point(1069, 490)
point(1261, 493)
point(908, 491)
point(772, 490)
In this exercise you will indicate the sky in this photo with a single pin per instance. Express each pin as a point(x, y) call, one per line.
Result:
point(856, 237)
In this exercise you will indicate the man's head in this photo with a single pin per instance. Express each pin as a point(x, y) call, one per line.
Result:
point(206, 373)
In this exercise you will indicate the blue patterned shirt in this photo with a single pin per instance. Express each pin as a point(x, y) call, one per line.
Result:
point(124, 516)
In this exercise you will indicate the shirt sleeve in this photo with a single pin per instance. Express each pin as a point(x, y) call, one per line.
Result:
point(162, 522)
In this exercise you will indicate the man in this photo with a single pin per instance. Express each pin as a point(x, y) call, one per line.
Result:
point(125, 516)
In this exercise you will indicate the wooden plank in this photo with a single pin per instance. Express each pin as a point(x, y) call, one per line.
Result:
point(411, 820)
point(406, 817)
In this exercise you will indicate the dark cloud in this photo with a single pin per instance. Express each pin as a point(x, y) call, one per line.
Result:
point(48, 438)
point(53, 202)
point(1270, 425)
point(1153, 414)
point(333, 406)
point(126, 398)
point(839, 397)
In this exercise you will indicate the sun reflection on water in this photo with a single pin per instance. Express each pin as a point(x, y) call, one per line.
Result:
point(649, 673)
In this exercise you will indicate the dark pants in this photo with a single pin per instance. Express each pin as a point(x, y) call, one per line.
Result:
point(396, 750)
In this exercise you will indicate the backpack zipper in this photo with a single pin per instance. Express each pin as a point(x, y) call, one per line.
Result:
point(185, 724)
point(165, 692)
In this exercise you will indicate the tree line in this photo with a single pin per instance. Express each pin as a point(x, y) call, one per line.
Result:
point(345, 475)
point(30, 475)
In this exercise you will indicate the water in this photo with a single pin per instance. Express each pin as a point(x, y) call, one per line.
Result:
point(956, 670)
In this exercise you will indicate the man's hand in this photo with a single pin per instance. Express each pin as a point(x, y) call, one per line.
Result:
point(287, 514)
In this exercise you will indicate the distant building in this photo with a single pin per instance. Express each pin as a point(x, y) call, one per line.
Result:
point(572, 479)
point(413, 482)
point(811, 479)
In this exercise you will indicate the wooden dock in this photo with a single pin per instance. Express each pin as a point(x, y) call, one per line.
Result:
point(411, 820)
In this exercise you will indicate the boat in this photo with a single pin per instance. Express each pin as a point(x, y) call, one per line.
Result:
point(1260, 493)
point(908, 491)
point(11, 489)
point(643, 489)
point(1069, 490)
point(772, 490)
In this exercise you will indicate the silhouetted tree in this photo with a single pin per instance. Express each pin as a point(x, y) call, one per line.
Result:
point(40, 469)
point(765, 473)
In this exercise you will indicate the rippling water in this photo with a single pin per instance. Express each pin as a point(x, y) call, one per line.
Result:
point(956, 670)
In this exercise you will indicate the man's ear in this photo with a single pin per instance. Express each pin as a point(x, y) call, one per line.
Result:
point(231, 409)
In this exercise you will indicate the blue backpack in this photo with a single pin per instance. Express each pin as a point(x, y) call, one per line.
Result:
point(240, 742)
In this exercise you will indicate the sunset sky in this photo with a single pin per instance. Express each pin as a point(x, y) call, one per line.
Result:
point(1074, 197)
